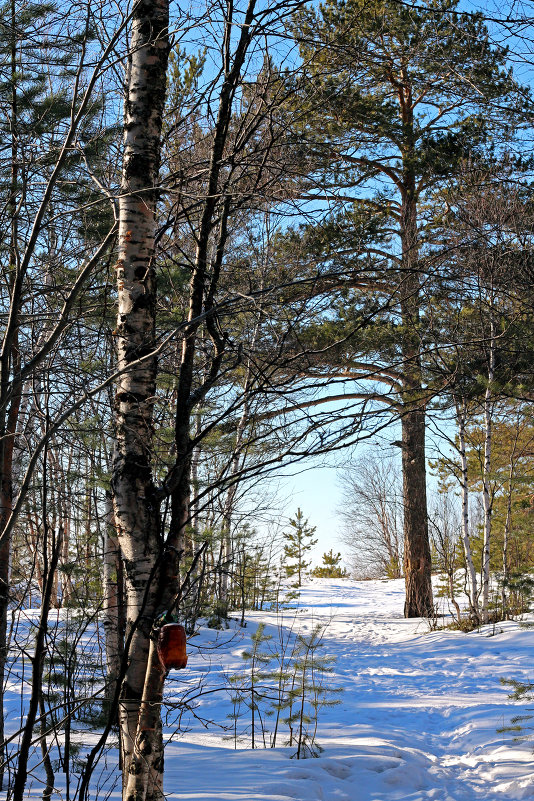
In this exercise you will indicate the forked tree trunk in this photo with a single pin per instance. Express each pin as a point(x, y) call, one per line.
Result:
point(227, 546)
point(152, 581)
point(136, 506)
point(7, 444)
point(37, 660)
point(226, 556)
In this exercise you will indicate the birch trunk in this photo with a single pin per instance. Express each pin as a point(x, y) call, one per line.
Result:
point(112, 602)
point(152, 581)
point(506, 539)
point(466, 540)
point(486, 488)
point(136, 507)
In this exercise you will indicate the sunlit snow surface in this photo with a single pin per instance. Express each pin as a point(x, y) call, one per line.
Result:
point(418, 717)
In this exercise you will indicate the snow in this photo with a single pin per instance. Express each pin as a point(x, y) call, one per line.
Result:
point(418, 716)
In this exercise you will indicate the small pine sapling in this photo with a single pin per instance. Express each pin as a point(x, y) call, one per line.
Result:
point(250, 688)
point(284, 596)
point(517, 589)
point(281, 675)
point(308, 693)
point(331, 567)
point(237, 697)
point(521, 691)
point(299, 542)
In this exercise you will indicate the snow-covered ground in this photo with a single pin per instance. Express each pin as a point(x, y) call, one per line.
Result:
point(417, 719)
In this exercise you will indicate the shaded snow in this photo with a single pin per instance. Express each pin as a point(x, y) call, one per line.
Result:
point(418, 717)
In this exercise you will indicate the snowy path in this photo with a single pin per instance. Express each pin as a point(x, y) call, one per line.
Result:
point(418, 717)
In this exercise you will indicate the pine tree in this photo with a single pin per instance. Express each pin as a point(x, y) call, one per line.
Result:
point(37, 114)
point(249, 688)
point(299, 542)
point(396, 97)
point(307, 693)
point(521, 691)
point(331, 567)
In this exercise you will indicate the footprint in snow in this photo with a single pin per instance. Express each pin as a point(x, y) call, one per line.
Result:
point(310, 791)
point(337, 770)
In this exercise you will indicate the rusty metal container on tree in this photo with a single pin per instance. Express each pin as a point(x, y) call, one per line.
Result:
point(172, 646)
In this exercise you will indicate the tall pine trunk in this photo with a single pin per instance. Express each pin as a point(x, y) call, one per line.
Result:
point(417, 558)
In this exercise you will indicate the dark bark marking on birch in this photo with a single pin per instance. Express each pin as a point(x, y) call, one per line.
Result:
point(137, 166)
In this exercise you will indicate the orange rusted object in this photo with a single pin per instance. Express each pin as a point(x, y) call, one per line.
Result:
point(172, 646)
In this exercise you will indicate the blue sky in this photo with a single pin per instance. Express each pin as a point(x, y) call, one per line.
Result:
point(317, 492)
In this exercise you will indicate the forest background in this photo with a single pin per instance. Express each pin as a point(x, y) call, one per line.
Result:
point(236, 239)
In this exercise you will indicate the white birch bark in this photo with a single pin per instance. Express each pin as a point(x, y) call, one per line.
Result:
point(466, 540)
point(110, 604)
point(150, 581)
point(486, 488)
point(136, 508)
point(508, 521)
point(506, 538)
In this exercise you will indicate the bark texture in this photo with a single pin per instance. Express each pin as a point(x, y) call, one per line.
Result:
point(136, 507)
point(113, 605)
point(466, 540)
point(487, 492)
point(151, 560)
point(10, 391)
point(417, 558)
